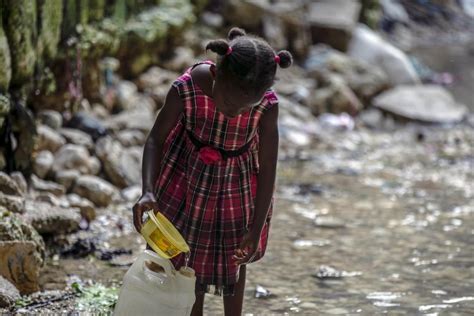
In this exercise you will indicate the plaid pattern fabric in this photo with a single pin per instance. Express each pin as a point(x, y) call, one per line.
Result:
point(211, 205)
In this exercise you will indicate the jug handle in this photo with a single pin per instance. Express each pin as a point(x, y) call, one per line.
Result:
point(155, 258)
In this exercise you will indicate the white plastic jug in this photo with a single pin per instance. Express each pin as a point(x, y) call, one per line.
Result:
point(145, 292)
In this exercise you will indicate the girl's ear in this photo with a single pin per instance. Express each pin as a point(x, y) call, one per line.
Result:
point(213, 70)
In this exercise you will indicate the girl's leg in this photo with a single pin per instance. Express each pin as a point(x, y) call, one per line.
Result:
point(233, 304)
point(198, 305)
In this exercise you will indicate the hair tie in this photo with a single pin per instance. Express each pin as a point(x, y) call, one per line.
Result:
point(229, 50)
point(277, 59)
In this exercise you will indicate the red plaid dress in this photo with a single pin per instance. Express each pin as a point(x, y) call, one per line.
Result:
point(211, 204)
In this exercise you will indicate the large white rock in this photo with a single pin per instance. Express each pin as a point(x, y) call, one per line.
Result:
point(368, 46)
point(74, 157)
point(428, 103)
point(77, 137)
point(95, 189)
point(122, 165)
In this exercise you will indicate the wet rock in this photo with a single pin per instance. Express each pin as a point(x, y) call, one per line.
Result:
point(77, 137)
point(87, 207)
point(49, 219)
point(22, 253)
point(141, 118)
point(12, 203)
point(20, 264)
point(88, 124)
point(20, 182)
point(74, 157)
point(122, 166)
point(67, 178)
point(366, 80)
point(212, 19)
point(334, 96)
point(50, 118)
point(49, 139)
point(8, 185)
point(130, 138)
point(100, 111)
point(332, 22)
point(8, 293)
point(369, 47)
point(42, 163)
point(95, 189)
point(47, 186)
point(48, 198)
point(427, 103)
point(95, 165)
point(329, 222)
point(132, 193)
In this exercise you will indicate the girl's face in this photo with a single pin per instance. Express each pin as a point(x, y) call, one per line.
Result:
point(232, 100)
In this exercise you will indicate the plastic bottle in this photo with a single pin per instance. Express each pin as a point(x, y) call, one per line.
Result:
point(145, 292)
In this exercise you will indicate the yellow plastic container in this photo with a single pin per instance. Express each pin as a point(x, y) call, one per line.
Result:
point(162, 236)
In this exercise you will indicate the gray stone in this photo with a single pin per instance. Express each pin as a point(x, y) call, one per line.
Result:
point(20, 263)
point(141, 119)
point(95, 165)
point(8, 185)
point(42, 163)
point(49, 139)
point(126, 94)
point(122, 166)
point(22, 253)
point(67, 178)
point(182, 58)
point(95, 189)
point(427, 103)
point(47, 186)
point(332, 21)
point(131, 138)
point(48, 198)
point(87, 207)
point(8, 293)
point(74, 157)
point(50, 219)
point(12, 203)
point(20, 181)
point(132, 193)
point(51, 118)
point(77, 137)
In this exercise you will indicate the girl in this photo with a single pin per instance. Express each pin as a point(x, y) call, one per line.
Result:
point(215, 138)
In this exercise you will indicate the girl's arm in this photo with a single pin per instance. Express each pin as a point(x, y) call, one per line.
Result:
point(267, 156)
point(152, 153)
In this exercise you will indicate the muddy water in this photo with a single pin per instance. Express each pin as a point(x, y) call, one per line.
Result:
point(394, 213)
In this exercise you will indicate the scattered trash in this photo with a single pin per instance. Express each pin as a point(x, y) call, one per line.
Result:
point(327, 272)
point(329, 222)
point(303, 243)
point(261, 292)
point(341, 121)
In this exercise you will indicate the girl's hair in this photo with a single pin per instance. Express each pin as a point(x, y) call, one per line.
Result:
point(248, 60)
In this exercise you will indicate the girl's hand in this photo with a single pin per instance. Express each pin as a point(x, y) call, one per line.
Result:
point(145, 202)
point(248, 248)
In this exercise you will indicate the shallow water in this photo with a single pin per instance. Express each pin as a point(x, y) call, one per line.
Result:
point(395, 216)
